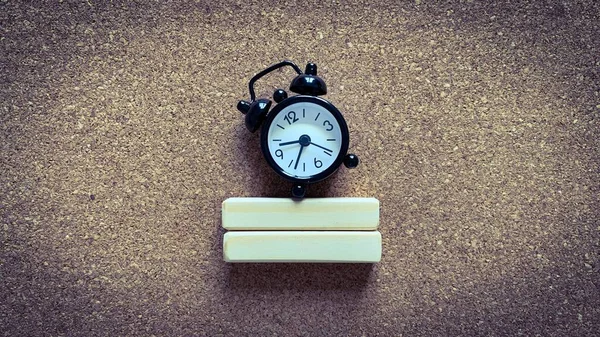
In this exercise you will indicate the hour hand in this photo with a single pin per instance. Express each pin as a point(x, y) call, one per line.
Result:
point(288, 143)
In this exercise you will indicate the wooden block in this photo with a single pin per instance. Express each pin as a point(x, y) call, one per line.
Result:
point(308, 214)
point(310, 246)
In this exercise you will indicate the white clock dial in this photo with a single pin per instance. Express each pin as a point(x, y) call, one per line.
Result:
point(304, 139)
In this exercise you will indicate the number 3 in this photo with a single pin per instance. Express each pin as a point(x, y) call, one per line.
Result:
point(326, 123)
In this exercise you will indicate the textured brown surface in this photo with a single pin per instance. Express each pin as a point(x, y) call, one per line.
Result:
point(477, 125)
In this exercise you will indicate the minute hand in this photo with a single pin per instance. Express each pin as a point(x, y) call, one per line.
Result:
point(298, 159)
point(324, 148)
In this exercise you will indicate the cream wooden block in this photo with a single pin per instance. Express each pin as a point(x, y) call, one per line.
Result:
point(308, 214)
point(309, 246)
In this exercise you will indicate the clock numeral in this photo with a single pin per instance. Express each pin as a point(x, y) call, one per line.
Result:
point(291, 117)
point(327, 153)
point(303, 113)
point(291, 161)
point(281, 127)
point(328, 125)
point(319, 114)
point(318, 163)
point(279, 154)
point(331, 140)
point(304, 167)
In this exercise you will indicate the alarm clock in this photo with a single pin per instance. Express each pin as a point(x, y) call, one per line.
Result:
point(304, 138)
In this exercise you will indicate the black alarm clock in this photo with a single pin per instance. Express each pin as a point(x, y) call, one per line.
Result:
point(304, 138)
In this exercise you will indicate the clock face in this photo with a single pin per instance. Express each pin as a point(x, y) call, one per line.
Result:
point(304, 138)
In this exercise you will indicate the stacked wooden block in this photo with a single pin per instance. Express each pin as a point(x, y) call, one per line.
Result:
point(335, 230)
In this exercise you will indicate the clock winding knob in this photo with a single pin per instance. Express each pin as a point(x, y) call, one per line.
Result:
point(279, 95)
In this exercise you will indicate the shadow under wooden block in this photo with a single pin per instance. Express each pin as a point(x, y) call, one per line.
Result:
point(299, 276)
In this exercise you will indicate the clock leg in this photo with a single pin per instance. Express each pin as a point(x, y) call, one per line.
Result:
point(299, 191)
point(351, 161)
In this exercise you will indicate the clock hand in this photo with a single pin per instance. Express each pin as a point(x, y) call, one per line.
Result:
point(324, 148)
point(298, 159)
point(288, 143)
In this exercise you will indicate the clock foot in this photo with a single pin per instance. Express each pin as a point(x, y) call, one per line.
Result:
point(351, 161)
point(298, 191)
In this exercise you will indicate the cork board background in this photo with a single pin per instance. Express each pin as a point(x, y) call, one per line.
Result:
point(477, 123)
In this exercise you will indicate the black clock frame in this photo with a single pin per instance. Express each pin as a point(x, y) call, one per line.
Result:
point(299, 99)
